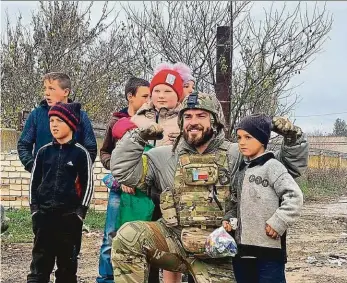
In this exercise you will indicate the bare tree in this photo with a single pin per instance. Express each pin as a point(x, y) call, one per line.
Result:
point(61, 37)
point(19, 81)
point(175, 31)
point(266, 54)
point(269, 54)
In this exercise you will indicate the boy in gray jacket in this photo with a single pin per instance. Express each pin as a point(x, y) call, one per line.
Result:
point(265, 200)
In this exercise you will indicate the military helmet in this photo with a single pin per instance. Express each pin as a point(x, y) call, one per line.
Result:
point(204, 101)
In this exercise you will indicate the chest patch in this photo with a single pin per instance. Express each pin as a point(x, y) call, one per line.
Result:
point(200, 174)
point(258, 180)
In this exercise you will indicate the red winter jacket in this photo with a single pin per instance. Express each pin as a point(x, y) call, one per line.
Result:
point(109, 142)
point(121, 127)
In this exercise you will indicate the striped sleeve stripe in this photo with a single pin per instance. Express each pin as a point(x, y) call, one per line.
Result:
point(145, 168)
point(90, 183)
point(33, 170)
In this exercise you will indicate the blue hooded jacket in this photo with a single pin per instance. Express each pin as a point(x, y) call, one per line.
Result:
point(36, 133)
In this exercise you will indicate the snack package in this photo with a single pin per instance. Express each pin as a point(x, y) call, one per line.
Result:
point(220, 244)
point(111, 182)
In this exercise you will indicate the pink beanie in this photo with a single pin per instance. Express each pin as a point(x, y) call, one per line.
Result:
point(184, 71)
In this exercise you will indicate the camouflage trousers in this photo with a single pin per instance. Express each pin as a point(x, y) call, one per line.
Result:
point(140, 244)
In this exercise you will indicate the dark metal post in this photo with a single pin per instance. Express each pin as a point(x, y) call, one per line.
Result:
point(223, 72)
point(22, 117)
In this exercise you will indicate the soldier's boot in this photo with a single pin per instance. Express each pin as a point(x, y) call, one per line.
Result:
point(4, 226)
point(212, 270)
point(4, 220)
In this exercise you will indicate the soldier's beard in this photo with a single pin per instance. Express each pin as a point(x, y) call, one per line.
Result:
point(198, 140)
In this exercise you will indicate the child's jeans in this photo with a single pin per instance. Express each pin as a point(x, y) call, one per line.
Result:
point(250, 270)
point(57, 237)
point(105, 265)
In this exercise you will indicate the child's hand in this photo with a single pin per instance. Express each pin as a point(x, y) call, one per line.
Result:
point(226, 226)
point(128, 190)
point(271, 232)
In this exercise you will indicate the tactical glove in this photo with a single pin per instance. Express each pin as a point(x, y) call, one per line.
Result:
point(153, 132)
point(287, 129)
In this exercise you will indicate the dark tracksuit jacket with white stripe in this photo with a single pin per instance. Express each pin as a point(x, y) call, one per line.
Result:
point(62, 179)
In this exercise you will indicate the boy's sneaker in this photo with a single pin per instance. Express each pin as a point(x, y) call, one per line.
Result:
point(4, 220)
point(85, 228)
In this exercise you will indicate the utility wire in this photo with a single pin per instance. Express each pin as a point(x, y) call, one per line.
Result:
point(317, 115)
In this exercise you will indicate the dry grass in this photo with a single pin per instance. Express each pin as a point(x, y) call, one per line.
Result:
point(318, 184)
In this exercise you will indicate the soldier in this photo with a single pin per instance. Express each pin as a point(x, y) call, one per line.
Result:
point(192, 179)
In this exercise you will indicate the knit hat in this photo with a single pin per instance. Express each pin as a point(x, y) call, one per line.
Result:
point(257, 125)
point(68, 112)
point(185, 72)
point(170, 75)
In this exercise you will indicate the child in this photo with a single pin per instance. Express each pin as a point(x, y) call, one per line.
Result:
point(58, 204)
point(136, 93)
point(166, 93)
point(36, 132)
point(188, 82)
point(265, 201)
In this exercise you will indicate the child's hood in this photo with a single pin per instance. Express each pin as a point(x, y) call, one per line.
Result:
point(43, 103)
point(122, 113)
point(149, 108)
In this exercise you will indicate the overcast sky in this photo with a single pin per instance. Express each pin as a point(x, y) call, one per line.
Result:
point(323, 88)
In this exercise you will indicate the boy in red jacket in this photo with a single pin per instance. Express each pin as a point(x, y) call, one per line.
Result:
point(137, 93)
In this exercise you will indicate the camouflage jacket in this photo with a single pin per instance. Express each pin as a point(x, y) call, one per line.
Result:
point(154, 170)
point(166, 118)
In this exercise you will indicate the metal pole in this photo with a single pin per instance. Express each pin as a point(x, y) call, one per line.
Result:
point(223, 72)
point(231, 65)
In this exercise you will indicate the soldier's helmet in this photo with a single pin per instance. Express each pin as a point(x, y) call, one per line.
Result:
point(204, 101)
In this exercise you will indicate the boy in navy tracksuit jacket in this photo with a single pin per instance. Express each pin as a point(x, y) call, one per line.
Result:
point(59, 195)
point(36, 132)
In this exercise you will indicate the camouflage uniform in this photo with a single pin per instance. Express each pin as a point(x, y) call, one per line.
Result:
point(192, 190)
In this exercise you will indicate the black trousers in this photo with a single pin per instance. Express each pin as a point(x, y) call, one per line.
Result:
point(57, 238)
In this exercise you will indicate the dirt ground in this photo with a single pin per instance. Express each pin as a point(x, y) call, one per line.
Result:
point(317, 246)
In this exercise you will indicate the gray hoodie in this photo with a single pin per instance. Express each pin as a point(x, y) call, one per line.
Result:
point(263, 192)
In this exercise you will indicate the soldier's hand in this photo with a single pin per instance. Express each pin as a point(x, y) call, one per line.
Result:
point(226, 226)
point(127, 190)
point(153, 132)
point(271, 232)
point(287, 129)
